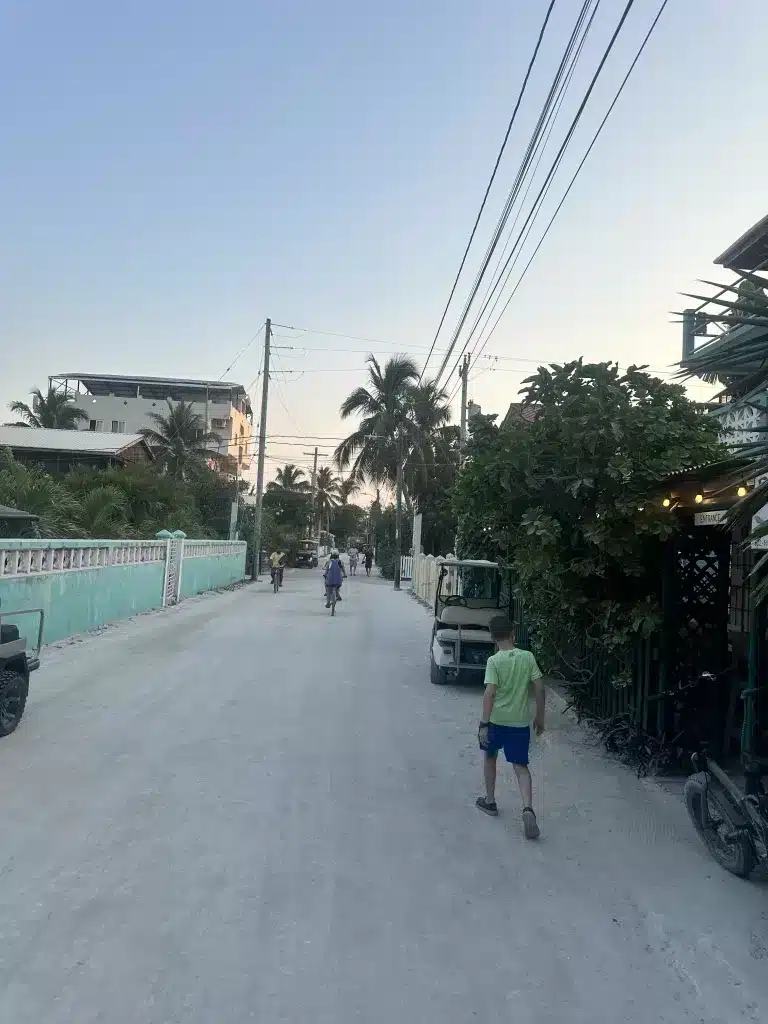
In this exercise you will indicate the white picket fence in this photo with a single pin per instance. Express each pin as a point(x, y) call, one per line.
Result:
point(424, 576)
point(406, 567)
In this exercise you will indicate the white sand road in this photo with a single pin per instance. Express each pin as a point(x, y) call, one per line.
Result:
point(242, 809)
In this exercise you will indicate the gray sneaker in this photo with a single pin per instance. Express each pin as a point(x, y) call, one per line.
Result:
point(530, 825)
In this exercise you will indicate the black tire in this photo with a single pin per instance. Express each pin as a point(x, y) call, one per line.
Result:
point(14, 689)
point(733, 850)
point(275, 582)
point(333, 602)
point(437, 675)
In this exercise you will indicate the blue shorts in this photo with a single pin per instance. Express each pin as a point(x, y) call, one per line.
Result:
point(514, 740)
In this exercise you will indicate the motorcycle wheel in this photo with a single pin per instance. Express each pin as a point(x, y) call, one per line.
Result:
point(722, 831)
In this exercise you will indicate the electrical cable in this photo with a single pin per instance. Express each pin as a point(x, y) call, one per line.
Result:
point(490, 181)
point(553, 167)
point(518, 182)
point(542, 147)
point(576, 173)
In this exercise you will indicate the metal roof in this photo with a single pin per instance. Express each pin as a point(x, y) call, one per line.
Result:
point(87, 442)
point(125, 386)
point(748, 252)
point(6, 512)
point(480, 563)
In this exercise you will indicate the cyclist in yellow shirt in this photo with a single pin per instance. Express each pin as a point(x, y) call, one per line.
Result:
point(277, 564)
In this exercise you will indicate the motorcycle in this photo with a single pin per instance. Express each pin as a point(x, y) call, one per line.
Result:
point(732, 823)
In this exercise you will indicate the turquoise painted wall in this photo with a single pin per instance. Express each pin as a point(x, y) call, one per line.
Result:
point(208, 572)
point(75, 602)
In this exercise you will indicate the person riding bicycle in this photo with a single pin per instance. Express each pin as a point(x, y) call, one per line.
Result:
point(333, 573)
point(277, 563)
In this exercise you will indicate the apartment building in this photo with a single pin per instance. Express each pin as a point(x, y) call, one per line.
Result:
point(122, 405)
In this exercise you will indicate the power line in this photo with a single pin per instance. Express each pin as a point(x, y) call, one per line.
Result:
point(243, 350)
point(575, 176)
point(555, 164)
point(533, 143)
point(490, 181)
point(542, 147)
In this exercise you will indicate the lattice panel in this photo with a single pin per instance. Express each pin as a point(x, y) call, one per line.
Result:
point(701, 606)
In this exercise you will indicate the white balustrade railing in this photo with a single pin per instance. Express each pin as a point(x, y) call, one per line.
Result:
point(213, 548)
point(34, 557)
point(406, 567)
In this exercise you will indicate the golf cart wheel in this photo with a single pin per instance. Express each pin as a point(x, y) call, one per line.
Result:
point(13, 698)
point(437, 675)
point(719, 825)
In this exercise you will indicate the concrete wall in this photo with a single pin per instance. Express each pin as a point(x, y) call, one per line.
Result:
point(207, 565)
point(84, 584)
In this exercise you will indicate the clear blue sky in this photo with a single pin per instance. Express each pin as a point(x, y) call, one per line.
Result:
point(173, 172)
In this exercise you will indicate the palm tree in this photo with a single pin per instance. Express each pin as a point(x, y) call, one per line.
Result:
point(326, 494)
point(383, 407)
point(54, 410)
point(290, 480)
point(347, 488)
point(180, 439)
point(395, 404)
point(431, 415)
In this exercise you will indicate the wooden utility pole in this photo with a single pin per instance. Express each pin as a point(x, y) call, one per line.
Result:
point(314, 491)
point(260, 463)
point(399, 508)
point(464, 386)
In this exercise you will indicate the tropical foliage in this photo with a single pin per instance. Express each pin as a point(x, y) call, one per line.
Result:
point(180, 440)
point(54, 410)
point(326, 494)
point(134, 501)
point(569, 501)
point(403, 420)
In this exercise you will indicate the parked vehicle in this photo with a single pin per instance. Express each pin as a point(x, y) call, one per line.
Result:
point(733, 823)
point(469, 594)
point(16, 663)
point(306, 556)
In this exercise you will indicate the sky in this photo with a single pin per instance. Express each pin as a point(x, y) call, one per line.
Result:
point(173, 173)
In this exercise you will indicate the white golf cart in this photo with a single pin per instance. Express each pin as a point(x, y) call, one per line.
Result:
point(16, 662)
point(469, 594)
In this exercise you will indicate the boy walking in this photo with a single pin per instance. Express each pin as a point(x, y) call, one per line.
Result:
point(505, 723)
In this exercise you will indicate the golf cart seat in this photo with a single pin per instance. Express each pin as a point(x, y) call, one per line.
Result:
point(458, 615)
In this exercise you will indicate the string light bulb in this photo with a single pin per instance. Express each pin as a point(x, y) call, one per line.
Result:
point(666, 503)
point(699, 498)
point(742, 491)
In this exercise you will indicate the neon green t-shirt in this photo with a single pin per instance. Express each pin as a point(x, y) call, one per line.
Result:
point(512, 673)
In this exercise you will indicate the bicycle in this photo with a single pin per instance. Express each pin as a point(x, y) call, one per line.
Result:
point(277, 577)
point(333, 597)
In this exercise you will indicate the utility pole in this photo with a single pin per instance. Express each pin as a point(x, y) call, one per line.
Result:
point(314, 490)
point(260, 464)
point(464, 387)
point(399, 508)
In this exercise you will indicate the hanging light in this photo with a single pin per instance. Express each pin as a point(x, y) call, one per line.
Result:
point(699, 498)
point(742, 491)
point(666, 503)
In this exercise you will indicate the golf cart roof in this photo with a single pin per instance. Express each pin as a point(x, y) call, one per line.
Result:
point(481, 563)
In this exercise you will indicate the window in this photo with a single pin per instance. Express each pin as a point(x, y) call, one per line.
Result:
point(118, 426)
point(96, 424)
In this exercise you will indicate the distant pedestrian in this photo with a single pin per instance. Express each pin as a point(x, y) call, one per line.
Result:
point(510, 674)
point(368, 561)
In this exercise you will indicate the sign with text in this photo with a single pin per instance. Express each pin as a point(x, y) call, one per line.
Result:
point(711, 518)
point(760, 519)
